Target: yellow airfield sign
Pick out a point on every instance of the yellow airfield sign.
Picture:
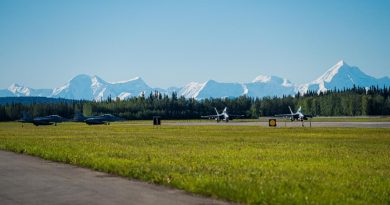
(272, 122)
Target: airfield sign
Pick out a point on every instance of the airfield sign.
(272, 122)
(156, 120)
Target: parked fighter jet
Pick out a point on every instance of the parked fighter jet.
(48, 120)
(222, 116)
(96, 120)
(102, 119)
(299, 116)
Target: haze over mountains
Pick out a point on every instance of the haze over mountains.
(87, 87)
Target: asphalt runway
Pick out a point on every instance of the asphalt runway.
(31, 180)
(287, 124)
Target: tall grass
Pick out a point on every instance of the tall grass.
(253, 165)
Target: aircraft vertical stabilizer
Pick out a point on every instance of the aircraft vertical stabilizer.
(290, 110)
(216, 110)
(225, 110)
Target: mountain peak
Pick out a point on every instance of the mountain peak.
(96, 79)
(14, 85)
(139, 79)
(209, 81)
(341, 75)
(272, 80)
(333, 71)
(19, 89)
(136, 79)
(341, 63)
(80, 77)
(262, 79)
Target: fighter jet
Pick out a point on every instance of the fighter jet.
(224, 116)
(96, 120)
(102, 119)
(299, 116)
(47, 120)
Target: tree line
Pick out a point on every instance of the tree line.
(355, 101)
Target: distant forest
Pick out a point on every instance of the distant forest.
(355, 101)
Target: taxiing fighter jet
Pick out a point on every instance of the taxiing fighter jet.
(299, 116)
(224, 116)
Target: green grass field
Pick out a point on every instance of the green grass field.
(265, 119)
(331, 119)
(247, 164)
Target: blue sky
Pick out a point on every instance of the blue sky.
(43, 44)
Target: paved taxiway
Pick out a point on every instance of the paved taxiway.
(30, 180)
(288, 124)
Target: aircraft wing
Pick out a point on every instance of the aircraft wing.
(285, 115)
(236, 116)
(310, 116)
(210, 116)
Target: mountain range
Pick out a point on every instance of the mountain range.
(88, 87)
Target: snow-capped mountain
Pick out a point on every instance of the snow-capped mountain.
(264, 85)
(211, 89)
(261, 86)
(93, 87)
(80, 87)
(338, 76)
(84, 87)
(342, 76)
(88, 87)
(20, 90)
(191, 90)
